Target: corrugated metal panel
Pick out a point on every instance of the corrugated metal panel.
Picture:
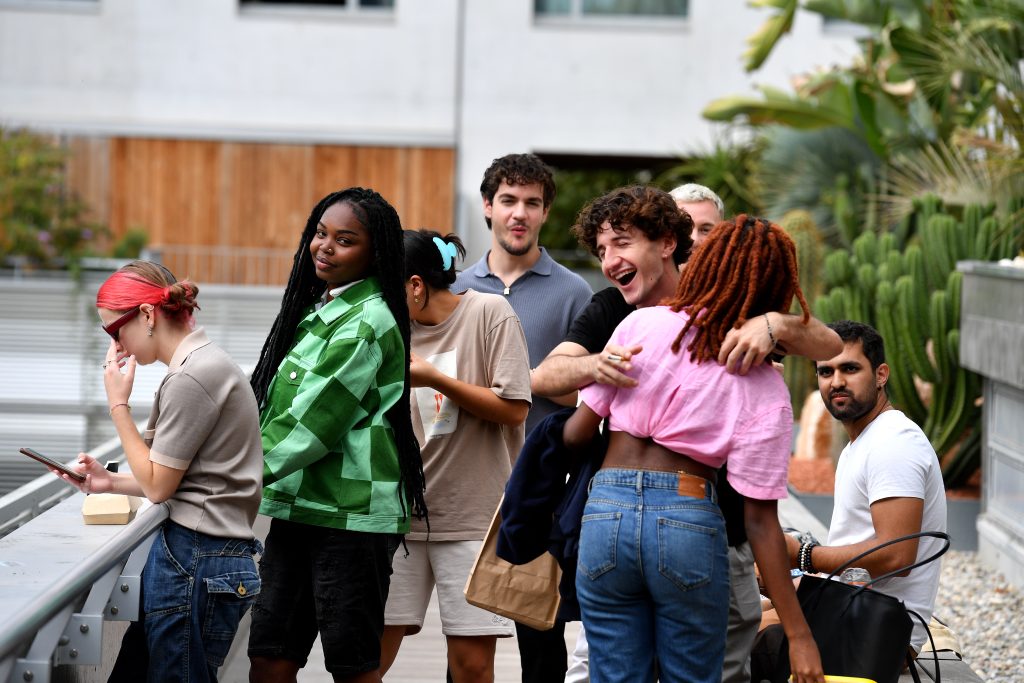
(51, 349)
(59, 436)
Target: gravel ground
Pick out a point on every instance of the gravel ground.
(987, 613)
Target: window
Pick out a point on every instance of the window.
(351, 5)
(587, 9)
(77, 6)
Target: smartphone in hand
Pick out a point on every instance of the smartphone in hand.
(50, 462)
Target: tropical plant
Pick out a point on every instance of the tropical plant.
(912, 296)
(39, 221)
(728, 167)
(799, 374)
(936, 97)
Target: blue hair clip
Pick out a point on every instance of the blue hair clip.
(448, 252)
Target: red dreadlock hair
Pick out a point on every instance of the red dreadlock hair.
(745, 268)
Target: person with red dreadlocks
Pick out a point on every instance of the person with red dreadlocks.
(201, 456)
(653, 574)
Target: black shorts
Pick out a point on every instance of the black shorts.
(331, 581)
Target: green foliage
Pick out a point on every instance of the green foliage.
(761, 43)
(728, 168)
(912, 296)
(39, 221)
(131, 244)
(829, 172)
(935, 99)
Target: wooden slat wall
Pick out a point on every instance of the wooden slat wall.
(256, 195)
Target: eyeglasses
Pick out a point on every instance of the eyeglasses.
(114, 328)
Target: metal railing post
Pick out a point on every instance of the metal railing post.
(36, 666)
(125, 598)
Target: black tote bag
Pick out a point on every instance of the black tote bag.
(859, 632)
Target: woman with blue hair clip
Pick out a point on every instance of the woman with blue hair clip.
(471, 393)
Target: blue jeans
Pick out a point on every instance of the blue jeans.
(652, 579)
(195, 589)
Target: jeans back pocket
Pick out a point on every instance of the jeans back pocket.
(598, 538)
(686, 553)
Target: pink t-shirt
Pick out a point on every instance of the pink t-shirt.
(698, 408)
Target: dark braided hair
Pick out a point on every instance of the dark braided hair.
(745, 268)
(385, 229)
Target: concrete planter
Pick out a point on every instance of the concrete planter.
(992, 344)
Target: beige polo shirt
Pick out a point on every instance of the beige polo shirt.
(205, 421)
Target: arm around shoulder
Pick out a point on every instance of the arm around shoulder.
(815, 340)
(562, 372)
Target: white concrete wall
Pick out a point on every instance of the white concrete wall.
(626, 88)
(205, 68)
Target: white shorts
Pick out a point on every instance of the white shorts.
(446, 565)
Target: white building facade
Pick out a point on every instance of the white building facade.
(482, 78)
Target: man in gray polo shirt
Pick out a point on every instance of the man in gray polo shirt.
(517, 192)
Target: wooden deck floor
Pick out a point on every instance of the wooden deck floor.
(422, 658)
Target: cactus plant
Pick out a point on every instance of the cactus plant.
(810, 247)
(912, 296)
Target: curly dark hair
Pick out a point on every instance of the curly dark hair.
(517, 169)
(745, 268)
(648, 209)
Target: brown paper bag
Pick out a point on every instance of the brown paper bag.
(527, 593)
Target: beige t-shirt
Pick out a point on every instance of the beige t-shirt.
(466, 459)
(205, 421)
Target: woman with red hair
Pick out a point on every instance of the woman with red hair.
(200, 456)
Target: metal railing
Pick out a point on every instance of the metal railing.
(39, 495)
(48, 630)
(63, 622)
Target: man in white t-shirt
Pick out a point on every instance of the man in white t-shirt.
(888, 481)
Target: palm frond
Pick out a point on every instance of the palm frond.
(945, 170)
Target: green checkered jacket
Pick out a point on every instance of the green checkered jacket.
(330, 455)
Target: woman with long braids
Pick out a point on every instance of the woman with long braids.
(342, 474)
(653, 575)
(471, 373)
(200, 456)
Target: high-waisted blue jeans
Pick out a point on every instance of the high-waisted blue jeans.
(195, 589)
(652, 579)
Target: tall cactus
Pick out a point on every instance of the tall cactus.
(912, 295)
(810, 247)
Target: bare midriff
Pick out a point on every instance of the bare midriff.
(626, 451)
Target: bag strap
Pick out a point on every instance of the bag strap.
(935, 655)
(920, 534)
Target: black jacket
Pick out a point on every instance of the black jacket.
(544, 500)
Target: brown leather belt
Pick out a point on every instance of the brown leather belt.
(626, 451)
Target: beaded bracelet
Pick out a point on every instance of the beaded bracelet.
(804, 563)
(771, 335)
